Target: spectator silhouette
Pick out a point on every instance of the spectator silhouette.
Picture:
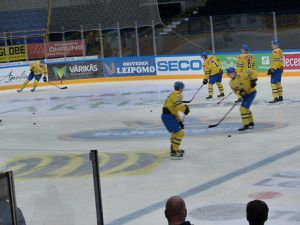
(257, 212)
(176, 212)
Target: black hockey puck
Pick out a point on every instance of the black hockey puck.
(34, 123)
(151, 111)
(33, 113)
(229, 135)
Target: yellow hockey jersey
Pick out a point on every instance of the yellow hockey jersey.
(246, 65)
(174, 104)
(38, 69)
(211, 66)
(242, 84)
(277, 59)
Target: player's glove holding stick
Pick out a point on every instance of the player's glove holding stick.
(187, 110)
(270, 71)
(253, 83)
(45, 79)
(243, 93)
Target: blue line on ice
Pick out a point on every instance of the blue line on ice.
(203, 187)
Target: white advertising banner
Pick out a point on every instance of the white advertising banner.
(292, 62)
(179, 65)
(13, 75)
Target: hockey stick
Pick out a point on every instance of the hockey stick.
(193, 96)
(217, 124)
(57, 86)
(224, 98)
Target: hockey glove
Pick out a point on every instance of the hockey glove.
(45, 79)
(205, 81)
(181, 124)
(253, 83)
(243, 93)
(270, 71)
(187, 110)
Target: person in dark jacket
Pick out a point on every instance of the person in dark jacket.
(257, 212)
(176, 212)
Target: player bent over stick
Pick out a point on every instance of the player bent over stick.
(244, 88)
(37, 69)
(172, 121)
(213, 74)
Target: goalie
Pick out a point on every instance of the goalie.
(37, 68)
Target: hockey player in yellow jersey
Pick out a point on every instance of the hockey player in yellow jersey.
(37, 69)
(170, 117)
(244, 87)
(213, 74)
(275, 71)
(245, 63)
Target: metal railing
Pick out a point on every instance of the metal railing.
(183, 35)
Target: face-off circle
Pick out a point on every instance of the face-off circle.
(265, 195)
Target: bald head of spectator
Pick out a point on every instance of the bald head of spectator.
(257, 212)
(175, 211)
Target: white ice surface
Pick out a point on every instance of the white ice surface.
(216, 177)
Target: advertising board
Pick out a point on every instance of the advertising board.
(131, 66)
(75, 70)
(179, 65)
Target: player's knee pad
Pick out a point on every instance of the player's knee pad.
(274, 87)
(280, 89)
(244, 110)
(220, 87)
(35, 83)
(179, 134)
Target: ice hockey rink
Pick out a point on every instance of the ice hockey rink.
(46, 137)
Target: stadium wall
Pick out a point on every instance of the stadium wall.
(77, 70)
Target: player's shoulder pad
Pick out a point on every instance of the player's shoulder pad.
(179, 95)
(247, 56)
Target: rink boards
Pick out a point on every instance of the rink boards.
(89, 70)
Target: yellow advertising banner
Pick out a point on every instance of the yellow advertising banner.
(12, 53)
